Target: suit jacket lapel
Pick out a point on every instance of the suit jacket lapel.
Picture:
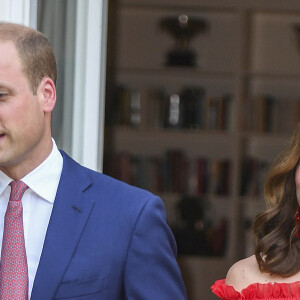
(70, 213)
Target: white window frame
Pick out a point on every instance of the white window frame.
(89, 83)
(19, 11)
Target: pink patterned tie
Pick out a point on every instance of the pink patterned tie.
(13, 268)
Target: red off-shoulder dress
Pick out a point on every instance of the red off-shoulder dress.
(257, 291)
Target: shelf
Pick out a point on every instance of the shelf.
(249, 51)
(272, 76)
(155, 142)
(166, 71)
(142, 44)
(253, 205)
(188, 73)
(293, 5)
(199, 274)
(175, 78)
(257, 200)
(218, 206)
(265, 147)
(211, 197)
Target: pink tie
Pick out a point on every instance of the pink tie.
(13, 267)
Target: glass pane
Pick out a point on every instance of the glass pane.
(57, 20)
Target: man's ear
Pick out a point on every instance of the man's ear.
(47, 94)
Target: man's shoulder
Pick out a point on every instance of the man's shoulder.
(104, 186)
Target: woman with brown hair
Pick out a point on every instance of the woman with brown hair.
(274, 271)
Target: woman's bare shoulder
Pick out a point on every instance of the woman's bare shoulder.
(246, 272)
(243, 273)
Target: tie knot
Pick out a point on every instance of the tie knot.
(17, 190)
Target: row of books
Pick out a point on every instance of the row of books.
(253, 174)
(193, 108)
(172, 173)
(189, 108)
(175, 173)
(266, 113)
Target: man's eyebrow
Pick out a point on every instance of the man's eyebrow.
(5, 88)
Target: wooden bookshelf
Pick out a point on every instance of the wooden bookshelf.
(238, 56)
(155, 142)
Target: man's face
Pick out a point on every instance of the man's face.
(22, 118)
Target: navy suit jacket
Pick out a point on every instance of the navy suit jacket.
(106, 240)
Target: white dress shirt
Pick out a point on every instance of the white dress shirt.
(37, 203)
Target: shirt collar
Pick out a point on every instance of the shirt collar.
(44, 179)
(4, 182)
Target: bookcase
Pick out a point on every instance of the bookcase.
(202, 136)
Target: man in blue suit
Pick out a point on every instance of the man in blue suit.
(87, 236)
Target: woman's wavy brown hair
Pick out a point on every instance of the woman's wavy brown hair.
(277, 248)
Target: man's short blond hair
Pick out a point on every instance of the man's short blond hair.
(35, 52)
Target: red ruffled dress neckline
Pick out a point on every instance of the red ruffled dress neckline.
(256, 291)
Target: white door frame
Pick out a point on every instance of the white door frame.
(89, 83)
